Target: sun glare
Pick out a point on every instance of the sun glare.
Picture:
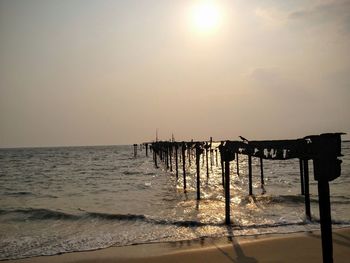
(206, 17)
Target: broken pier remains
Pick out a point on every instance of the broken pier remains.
(323, 150)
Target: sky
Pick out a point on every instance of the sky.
(100, 72)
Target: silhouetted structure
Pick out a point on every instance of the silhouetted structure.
(323, 150)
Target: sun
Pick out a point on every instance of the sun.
(206, 17)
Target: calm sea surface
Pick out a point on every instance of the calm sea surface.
(56, 200)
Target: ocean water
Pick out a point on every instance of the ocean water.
(57, 200)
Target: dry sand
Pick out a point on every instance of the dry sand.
(300, 247)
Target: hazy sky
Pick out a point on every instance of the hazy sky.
(110, 72)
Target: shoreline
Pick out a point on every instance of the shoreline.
(289, 247)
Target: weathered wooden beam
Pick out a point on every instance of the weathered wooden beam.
(176, 162)
(302, 184)
(198, 156)
(184, 164)
(326, 220)
(170, 158)
(262, 172)
(135, 150)
(206, 158)
(306, 188)
(227, 193)
(250, 175)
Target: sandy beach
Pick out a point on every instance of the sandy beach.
(296, 247)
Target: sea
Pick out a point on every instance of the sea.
(66, 199)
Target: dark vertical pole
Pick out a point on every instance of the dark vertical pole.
(262, 172)
(206, 158)
(146, 149)
(325, 220)
(167, 157)
(222, 169)
(306, 188)
(176, 162)
(216, 157)
(227, 193)
(302, 184)
(198, 172)
(135, 150)
(211, 154)
(184, 164)
(155, 158)
(237, 164)
(250, 175)
(170, 159)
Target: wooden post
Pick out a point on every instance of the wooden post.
(184, 164)
(211, 154)
(170, 159)
(262, 172)
(302, 184)
(227, 192)
(167, 157)
(325, 220)
(222, 164)
(306, 188)
(176, 162)
(198, 155)
(135, 150)
(326, 149)
(146, 149)
(155, 158)
(250, 175)
(206, 158)
(237, 162)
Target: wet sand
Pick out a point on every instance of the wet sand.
(296, 247)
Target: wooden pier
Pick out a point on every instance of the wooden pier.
(323, 150)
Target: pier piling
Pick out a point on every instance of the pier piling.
(198, 156)
(250, 174)
(184, 164)
(302, 184)
(135, 150)
(227, 193)
(262, 173)
(306, 188)
(176, 162)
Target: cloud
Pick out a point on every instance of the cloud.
(277, 84)
(268, 74)
(271, 17)
(336, 13)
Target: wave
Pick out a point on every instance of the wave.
(25, 194)
(292, 199)
(37, 214)
(47, 214)
(20, 193)
(270, 199)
